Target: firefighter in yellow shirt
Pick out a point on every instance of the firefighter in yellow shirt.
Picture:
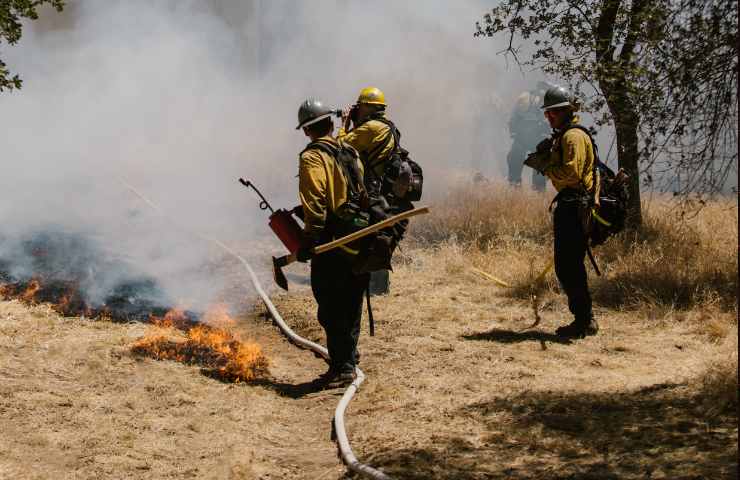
(373, 137)
(570, 169)
(338, 291)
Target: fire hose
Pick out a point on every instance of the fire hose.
(339, 432)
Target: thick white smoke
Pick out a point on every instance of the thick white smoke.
(182, 97)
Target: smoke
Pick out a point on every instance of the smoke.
(180, 98)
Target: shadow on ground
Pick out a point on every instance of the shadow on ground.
(299, 390)
(511, 336)
(657, 432)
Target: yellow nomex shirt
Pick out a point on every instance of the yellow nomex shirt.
(368, 139)
(322, 187)
(571, 160)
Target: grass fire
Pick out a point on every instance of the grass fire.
(176, 334)
(211, 345)
(388, 240)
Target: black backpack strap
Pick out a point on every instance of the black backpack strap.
(371, 321)
(394, 134)
(323, 146)
(355, 181)
(591, 257)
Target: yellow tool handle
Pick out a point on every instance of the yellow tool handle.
(504, 284)
(371, 229)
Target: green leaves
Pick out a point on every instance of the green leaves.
(11, 14)
(663, 72)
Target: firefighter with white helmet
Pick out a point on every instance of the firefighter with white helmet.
(569, 159)
(338, 291)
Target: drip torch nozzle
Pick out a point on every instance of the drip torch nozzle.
(264, 205)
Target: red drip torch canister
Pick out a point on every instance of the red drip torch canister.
(281, 221)
(287, 229)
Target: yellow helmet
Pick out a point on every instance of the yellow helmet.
(371, 96)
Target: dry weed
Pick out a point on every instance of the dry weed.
(674, 260)
(719, 385)
(486, 214)
(683, 262)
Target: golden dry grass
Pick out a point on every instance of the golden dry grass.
(674, 260)
(74, 403)
(718, 386)
(458, 386)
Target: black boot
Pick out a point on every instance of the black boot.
(578, 328)
(592, 328)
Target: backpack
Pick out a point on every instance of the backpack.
(374, 251)
(402, 179)
(606, 209)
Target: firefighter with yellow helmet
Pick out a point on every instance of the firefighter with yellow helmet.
(371, 134)
(366, 128)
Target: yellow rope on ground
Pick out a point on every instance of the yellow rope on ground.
(504, 284)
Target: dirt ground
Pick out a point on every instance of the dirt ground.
(455, 390)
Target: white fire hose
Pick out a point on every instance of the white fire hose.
(339, 432)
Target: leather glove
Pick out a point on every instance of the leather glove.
(544, 146)
(305, 251)
(538, 161)
(304, 254)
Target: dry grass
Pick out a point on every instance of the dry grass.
(486, 214)
(74, 403)
(685, 263)
(461, 385)
(673, 260)
(718, 386)
(457, 386)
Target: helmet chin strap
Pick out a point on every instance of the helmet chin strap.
(567, 120)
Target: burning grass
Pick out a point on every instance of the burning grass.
(176, 334)
(212, 345)
(64, 297)
(132, 300)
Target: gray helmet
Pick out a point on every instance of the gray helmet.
(311, 111)
(557, 97)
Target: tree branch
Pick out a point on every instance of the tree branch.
(605, 30)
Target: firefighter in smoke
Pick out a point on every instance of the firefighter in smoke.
(526, 127)
(567, 158)
(338, 291)
(372, 136)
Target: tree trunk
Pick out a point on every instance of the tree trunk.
(626, 122)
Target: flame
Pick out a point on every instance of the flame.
(64, 303)
(174, 318)
(218, 316)
(215, 347)
(29, 294)
(175, 335)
